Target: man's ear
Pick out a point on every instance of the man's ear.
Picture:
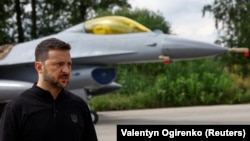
(38, 66)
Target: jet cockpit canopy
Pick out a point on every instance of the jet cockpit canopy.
(113, 25)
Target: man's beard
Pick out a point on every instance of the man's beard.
(52, 80)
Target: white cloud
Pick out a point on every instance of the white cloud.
(185, 17)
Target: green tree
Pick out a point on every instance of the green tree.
(233, 23)
(23, 20)
(4, 27)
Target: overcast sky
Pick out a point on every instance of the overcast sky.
(184, 16)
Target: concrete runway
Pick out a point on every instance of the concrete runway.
(217, 114)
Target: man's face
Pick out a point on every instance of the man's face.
(57, 68)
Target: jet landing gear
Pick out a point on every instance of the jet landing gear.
(83, 93)
(94, 116)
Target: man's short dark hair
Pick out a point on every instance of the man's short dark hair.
(42, 49)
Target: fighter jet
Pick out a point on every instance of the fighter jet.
(96, 45)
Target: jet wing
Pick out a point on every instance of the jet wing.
(20, 57)
(12, 88)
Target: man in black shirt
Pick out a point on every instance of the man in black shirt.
(48, 112)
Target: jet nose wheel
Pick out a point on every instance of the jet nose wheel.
(94, 116)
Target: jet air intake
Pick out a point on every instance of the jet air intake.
(92, 77)
(103, 75)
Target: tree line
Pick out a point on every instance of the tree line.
(232, 22)
(23, 20)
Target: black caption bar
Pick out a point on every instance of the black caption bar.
(181, 132)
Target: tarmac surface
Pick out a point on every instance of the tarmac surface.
(206, 115)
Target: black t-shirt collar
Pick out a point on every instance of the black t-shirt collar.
(44, 93)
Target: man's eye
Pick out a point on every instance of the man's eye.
(59, 64)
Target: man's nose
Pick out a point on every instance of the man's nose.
(66, 69)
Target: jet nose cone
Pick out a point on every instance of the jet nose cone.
(183, 49)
